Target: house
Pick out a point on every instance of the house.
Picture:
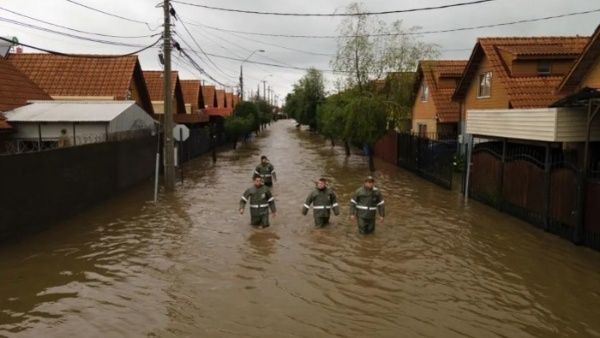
(192, 96)
(229, 100)
(209, 96)
(155, 84)
(81, 121)
(516, 72)
(15, 90)
(434, 112)
(86, 77)
(221, 101)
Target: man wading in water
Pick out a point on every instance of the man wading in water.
(365, 204)
(261, 200)
(266, 170)
(323, 200)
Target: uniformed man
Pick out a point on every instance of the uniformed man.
(323, 200)
(365, 204)
(261, 200)
(266, 170)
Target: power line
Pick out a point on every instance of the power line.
(112, 14)
(79, 37)
(77, 30)
(83, 55)
(460, 4)
(509, 23)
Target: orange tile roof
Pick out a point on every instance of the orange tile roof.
(546, 49)
(528, 91)
(208, 93)
(587, 59)
(4, 126)
(154, 82)
(220, 98)
(78, 76)
(229, 100)
(191, 93)
(16, 89)
(222, 112)
(430, 71)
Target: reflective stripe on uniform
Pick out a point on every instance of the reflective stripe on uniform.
(245, 199)
(271, 199)
(353, 201)
(321, 207)
(258, 205)
(334, 205)
(381, 203)
(266, 175)
(256, 172)
(307, 206)
(362, 207)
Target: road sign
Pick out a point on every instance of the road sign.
(181, 132)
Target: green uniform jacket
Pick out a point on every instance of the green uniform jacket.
(260, 200)
(323, 202)
(266, 172)
(365, 203)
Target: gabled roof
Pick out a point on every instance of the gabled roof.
(191, 93)
(209, 95)
(431, 71)
(590, 54)
(154, 82)
(523, 91)
(220, 98)
(16, 88)
(229, 100)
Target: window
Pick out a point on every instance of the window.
(485, 85)
(424, 92)
(422, 129)
(544, 68)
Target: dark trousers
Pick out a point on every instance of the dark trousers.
(260, 220)
(366, 225)
(321, 222)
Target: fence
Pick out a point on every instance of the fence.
(431, 158)
(537, 183)
(43, 187)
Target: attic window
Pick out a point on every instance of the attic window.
(485, 85)
(544, 68)
(424, 93)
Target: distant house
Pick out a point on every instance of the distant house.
(229, 100)
(86, 77)
(516, 73)
(221, 101)
(433, 111)
(155, 84)
(15, 90)
(209, 95)
(192, 96)
(81, 121)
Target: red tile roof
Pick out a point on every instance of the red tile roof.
(191, 93)
(78, 76)
(523, 91)
(4, 126)
(16, 89)
(587, 59)
(220, 98)
(431, 71)
(208, 93)
(154, 82)
(229, 100)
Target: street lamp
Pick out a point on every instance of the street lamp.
(242, 71)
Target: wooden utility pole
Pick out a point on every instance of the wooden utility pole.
(169, 144)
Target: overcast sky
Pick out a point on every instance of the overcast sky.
(453, 45)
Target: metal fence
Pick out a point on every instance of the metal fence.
(539, 183)
(429, 157)
(28, 145)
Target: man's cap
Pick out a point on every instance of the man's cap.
(322, 179)
(369, 179)
(263, 158)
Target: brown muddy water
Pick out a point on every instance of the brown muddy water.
(192, 266)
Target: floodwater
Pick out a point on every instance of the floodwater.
(192, 266)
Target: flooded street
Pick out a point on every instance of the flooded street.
(192, 266)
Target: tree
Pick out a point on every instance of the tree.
(238, 126)
(331, 119)
(304, 100)
(246, 109)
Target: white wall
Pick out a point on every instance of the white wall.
(133, 118)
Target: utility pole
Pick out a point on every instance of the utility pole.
(168, 114)
(242, 82)
(264, 90)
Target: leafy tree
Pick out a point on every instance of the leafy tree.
(238, 126)
(304, 100)
(332, 118)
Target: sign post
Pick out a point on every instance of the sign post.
(181, 133)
